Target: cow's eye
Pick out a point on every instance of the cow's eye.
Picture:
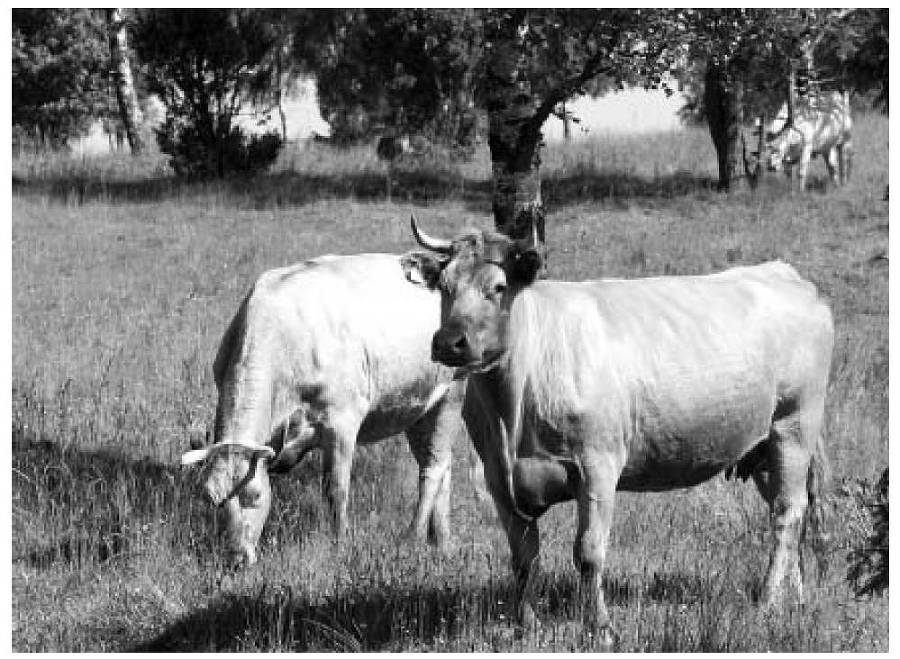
(499, 289)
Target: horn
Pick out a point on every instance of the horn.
(439, 245)
(195, 442)
(198, 455)
(294, 451)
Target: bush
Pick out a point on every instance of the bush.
(868, 571)
(196, 156)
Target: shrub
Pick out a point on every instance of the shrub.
(195, 156)
(868, 572)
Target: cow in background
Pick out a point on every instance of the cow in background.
(820, 125)
(327, 354)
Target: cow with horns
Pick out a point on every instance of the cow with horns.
(579, 389)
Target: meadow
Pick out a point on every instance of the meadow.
(123, 281)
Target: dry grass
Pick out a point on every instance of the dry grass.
(123, 281)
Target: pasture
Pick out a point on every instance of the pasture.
(124, 281)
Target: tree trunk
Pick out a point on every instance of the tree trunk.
(281, 113)
(121, 71)
(467, 118)
(514, 138)
(723, 97)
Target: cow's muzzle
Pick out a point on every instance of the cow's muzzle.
(450, 346)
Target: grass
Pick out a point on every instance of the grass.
(124, 280)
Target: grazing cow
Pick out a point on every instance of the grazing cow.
(325, 354)
(818, 127)
(393, 148)
(579, 389)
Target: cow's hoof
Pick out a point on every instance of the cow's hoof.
(601, 636)
(527, 618)
(441, 542)
(414, 536)
(529, 624)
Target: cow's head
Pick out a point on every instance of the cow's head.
(235, 479)
(782, 147)
(478, 275)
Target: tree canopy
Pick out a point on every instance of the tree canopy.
(59, 72)
(205, 64)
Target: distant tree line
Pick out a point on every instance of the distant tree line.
(436, 73)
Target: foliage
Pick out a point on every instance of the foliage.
(762, 45)
(855, 52)
(394, 70)
(566, 52)
(405, 69)
(193, 158)
(60, 59)
(868, 571)
(204, 64)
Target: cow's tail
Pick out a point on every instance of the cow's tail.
(816, 522)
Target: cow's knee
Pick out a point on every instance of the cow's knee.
(439, 525)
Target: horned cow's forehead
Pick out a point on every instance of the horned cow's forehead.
(476, 246)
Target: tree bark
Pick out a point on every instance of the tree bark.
(723, 97)
(466, 118)
(514, 136)
(121, 70)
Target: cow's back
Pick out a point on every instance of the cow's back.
(675, 364)
(827, 121)
(357, 331)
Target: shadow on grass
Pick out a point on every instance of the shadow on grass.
(384, 618)
(90, 506)
(87, 506)
(417, 186)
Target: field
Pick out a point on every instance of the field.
(124, 280)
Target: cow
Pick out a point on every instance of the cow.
(328, 354)
(818, 127)
(579, 389)
(391, 148)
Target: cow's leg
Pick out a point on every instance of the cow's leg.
(521, 534)
(596, 500)
(488, 435)
(791, 443)
(338, 445)
(524, 545)
(832, 163)
(845, 160)
(803, 167)
(431, 441)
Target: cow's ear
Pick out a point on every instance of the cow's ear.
(526, 266)
(423, 268)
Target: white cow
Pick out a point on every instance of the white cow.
(579, 389)
(820, 126)
(325, 354)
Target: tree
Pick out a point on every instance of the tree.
(535, 60)
(205, 64)
(59, 72)
(394, 71)
(129, 110)
(853, 51)
(748, 58)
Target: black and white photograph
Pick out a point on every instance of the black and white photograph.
(449, 330)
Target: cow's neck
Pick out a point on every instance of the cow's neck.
(496, 386)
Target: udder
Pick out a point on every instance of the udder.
(540, 483)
